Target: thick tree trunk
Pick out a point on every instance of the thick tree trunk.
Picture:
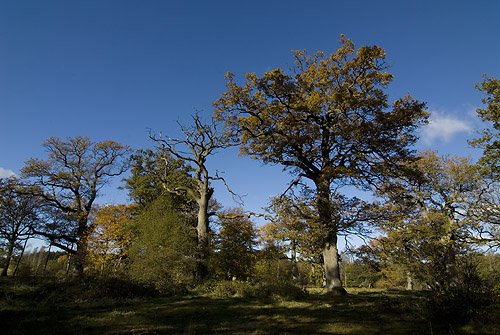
(10, 252)
(81, 248)
(333, 281)
(450, 261)
(203, 238)
(80, 256)
(332, 268)
(451, 267)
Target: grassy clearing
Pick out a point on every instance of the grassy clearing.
(29, 309)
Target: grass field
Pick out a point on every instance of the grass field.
(40, 309)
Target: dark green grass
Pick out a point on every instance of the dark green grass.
(30, 308)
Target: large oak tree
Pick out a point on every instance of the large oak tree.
(68, 182)
(328, 120)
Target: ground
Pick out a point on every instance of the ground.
(35, 309)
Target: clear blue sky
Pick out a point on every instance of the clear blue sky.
(114, 69)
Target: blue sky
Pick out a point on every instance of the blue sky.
(114, 69)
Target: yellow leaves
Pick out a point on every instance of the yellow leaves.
(110, 237)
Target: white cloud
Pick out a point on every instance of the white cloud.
(4, 173)
(443, 128)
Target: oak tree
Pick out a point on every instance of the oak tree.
(69, 181)
(328, 120)
(202, 139)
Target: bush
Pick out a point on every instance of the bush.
(458, 306)
(283, 290)
(243, 289)
(85, 289)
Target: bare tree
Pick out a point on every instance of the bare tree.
(201, 140)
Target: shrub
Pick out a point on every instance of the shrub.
(458, 306)
(243, 289)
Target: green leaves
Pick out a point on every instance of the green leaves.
(490, 141)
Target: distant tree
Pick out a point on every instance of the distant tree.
(327, 120)
(234, 245)
(201, 140)
(69, 182)
(432, 222)
(295, 228)
(357, 273)
(18, 217)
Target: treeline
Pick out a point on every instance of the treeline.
(329, 123)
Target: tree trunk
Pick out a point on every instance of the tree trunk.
(80, 256)
(451, 267)
(20, 257)
(81, 248)
(68, 267)
(409, 281)
(294, 261)
(203, 238)
(10, 252)
(450, 261)
(46, 259)
(332, 268)
(333, 282)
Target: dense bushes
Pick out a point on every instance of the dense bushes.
(244, 289)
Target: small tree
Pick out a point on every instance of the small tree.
(69, 182)
(163, 252)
